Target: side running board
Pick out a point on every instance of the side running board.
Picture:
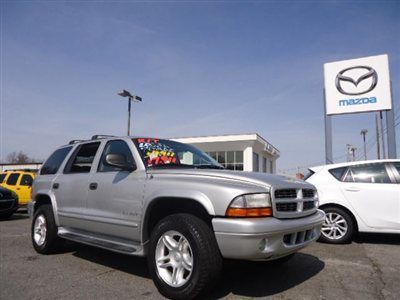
(102, 241)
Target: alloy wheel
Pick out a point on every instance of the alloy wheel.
(40, 230)
(174, 259)
(335, 226)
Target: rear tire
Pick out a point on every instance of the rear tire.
(338, 227)
(44, 231)
(183, 245)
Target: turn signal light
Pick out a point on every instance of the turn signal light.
(249, 212)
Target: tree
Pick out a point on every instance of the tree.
(18, 158)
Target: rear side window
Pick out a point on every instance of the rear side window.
(309, 174)
(338, 172)
(82, 160)
(54, 161)
(370, 173)
(12, 179)
(2, 176)
(26, 180)
(396, 165)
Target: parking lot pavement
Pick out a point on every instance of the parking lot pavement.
(366, 269)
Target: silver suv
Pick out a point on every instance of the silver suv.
(172, 203)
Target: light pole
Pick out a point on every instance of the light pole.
(131, 97)
(364, 133)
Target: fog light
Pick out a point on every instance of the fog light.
(263, 245)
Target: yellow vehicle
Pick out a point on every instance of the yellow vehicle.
(20, 182)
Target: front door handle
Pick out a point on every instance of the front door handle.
(93, 186)
(56, 185)
(352, 189)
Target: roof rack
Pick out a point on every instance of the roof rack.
(101, 136)
(75, 141)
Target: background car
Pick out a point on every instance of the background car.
(8, 203)
(358, 197)
(20, 182)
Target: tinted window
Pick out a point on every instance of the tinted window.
(114, 147)
(348, 177)
(12, 179)
(338, 172)
(370, 173)
(54, 161)
(82, 160)
(309, 174)
(2, 176)
(26, 180)
(395, 164)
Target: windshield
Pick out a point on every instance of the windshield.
(157, 153)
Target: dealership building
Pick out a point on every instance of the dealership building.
(242, 152)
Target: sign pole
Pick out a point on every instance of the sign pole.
(378, 144)
(129, 116)
(382, 135)
(328, 135)
(391, 132)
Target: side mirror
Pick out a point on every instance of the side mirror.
(120, 161)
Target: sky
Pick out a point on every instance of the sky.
(201, 67)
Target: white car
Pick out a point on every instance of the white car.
(362, 196)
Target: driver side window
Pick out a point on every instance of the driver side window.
(114, 147)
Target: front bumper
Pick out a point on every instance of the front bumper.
(30, 206)
(266, 238)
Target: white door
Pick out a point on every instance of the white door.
(374, 195)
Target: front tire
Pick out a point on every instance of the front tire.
(44, 231)
(184, 259)
(338, 227)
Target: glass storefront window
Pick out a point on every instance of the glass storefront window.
(255, 162)
(232, 160)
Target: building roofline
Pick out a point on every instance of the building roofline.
(244, 136)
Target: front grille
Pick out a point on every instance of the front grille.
(286, 206)
(308, 205)
(286, 193)
(308, 193)
(298, 238)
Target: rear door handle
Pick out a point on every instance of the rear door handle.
(352, 189)
(56, 185)
(93, 186)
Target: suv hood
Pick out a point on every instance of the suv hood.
(261, 179)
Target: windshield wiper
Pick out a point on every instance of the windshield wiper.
(209, 167)
(164, 166)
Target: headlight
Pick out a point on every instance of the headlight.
(316, 199)
(250, 205)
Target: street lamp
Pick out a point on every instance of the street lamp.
(364, 133)
(131, 97)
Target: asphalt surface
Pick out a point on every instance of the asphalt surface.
(369, 268)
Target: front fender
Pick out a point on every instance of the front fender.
(181, 193)
(52, 197)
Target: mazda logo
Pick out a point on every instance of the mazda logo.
(369, 73)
